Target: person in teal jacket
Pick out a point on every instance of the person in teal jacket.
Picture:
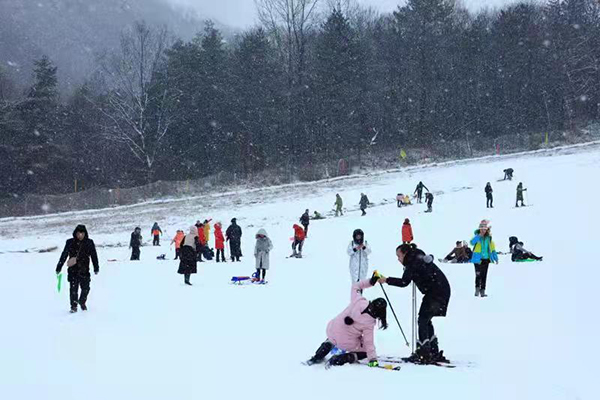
(484, 252)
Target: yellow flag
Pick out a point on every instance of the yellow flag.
(402, 154)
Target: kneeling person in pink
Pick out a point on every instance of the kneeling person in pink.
(352, 330)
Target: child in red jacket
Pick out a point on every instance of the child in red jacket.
(407, 233)
(299, 236)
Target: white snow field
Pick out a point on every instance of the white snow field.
(147, 336)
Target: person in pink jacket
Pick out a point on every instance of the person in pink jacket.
(352, 331)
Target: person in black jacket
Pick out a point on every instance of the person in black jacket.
(419, 191)
(508, 174)
(234, 237)
(432, 283)
(135, 243)
(364, 203)
(429, 200)
(79, 250)
(187, 255)
(305, 220)
(489, 196)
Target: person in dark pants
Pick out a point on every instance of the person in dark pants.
(78, 251)
(187, 255)
(298, 241)
(433, 284)
(508, 174)
(489, 196)
(419, 191)
(484, 252)
(305, 220)
(135, 243)
(520, 191)
(234, 237)
(429, 200)
(156, 232)
(364, 203)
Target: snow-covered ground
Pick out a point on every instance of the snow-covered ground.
(147, 336)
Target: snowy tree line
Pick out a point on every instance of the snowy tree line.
(316, 81)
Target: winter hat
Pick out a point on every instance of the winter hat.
(233, 220)
(356, 233)
(406, 221)
(484, 224)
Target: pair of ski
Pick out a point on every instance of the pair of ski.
(406, 360)
(389, 366)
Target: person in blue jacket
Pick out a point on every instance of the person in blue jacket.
(484, 252)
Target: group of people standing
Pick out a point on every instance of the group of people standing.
(489, 192)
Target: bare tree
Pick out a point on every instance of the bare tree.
(139, 105)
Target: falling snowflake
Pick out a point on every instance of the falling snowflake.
(36, 132)
(547, 43)
(583, 97)
(29, 172)
(45, 207)
(213, 124)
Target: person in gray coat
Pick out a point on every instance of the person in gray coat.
(261, 254)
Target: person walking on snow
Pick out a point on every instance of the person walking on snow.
(433, 284)
(352, 331)
(489, 196)
(359, 251)
(407, 233)
(233, 235)
(338, 205)
(261, 254)
(135, 243)
(298, 241)
(177, 240)
(188, 260)
(419, 191)
(364, 203)
(520, 191)
(484, 252)
(78, 251)
(156, 232)
(429, 200)
(305, 220)
(219, 242)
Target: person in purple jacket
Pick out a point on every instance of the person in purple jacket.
(352, 331)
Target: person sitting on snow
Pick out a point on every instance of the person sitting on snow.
(460, 254)
(407, 201)
(400, 199)
(352, 331)
(317, 215)
(518, 252)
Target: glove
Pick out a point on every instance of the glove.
(375, 278)
(373, 363)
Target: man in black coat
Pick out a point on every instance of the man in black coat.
(234, 237)
(432, 283)
(135, 243)
(305, 220)
(419, 191)
(79, 250)
(489, 196)
(429, 200)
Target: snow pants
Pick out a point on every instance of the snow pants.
(490, 200)
(340, 359)
(221, 252)
(297, 245)
(176, 254)
(156, 240)
(76, 282)
(135, 253)
(305, 230)
(481, 271)
(430, 307)
(236, 251)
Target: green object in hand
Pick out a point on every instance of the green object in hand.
(59, 282)
(373, 363)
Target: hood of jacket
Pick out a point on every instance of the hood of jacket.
(80, 228)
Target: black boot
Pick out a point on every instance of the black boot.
(321, 353)
(341, 359)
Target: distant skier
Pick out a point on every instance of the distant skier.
(298, 242)
(519, 253)
(489, 196)
(508, 174)
(433, 284)
(429, 200)
(407, 232)
(484, 252)
(234, 237)
(135, 243)
(364, 203)
(359, 251)
(78, 251)
(219, 242)
(188, 260)
(351, 333)
(419, 191)
(177, 240)
(261, 254)
(338, 205)
(156, 232)
(520, 191)
(305, 221)
(460, 254)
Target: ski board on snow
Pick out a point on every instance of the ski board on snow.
(389, 367)
(404, 360)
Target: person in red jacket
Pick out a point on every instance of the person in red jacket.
(219, 242)
(201, 241)
(299, 236)
(177, 240)
(407, 233)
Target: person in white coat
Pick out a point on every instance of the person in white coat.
(261, 254)
(359, 251)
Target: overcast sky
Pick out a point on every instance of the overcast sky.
(242, 13)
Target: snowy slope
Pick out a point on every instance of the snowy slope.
(147, 336)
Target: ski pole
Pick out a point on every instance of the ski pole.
(393, 312)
